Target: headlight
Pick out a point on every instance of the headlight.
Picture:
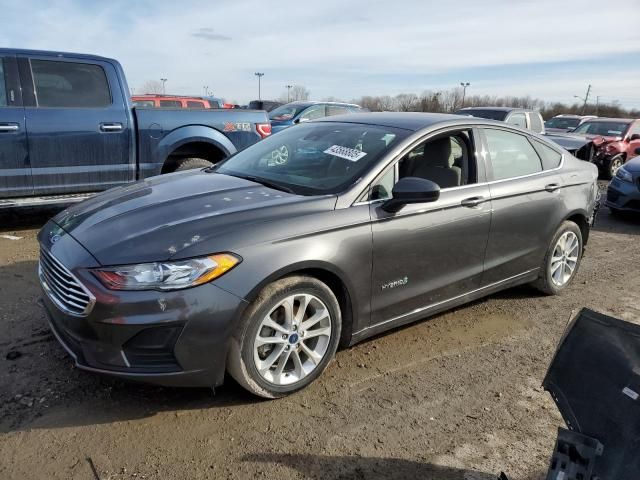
(166, 275)
(624, 175)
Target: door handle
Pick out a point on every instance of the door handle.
(552, 187)
(111, 127)
(472, 202)
(9, 127)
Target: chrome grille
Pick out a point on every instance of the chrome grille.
(62, 287)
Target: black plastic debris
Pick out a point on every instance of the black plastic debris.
(574, 456)
(594, 379)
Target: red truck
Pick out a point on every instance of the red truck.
(177, 101)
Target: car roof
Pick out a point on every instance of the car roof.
(308, 103)
(617, 120)
(50, 53)
(413, 121)
(497, 109)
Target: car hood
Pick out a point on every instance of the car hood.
(633, 165)
(178, 215)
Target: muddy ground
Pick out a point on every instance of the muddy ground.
(454, 397)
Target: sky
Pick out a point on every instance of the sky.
(548, 49)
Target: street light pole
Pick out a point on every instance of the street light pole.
(259, 75)
(163, 80)
(289, 87)
(464, 86)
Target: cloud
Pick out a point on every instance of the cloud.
(209, 34)
(347, 49)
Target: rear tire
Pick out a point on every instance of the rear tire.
(562, 260)
(192, 163)
(287, 337)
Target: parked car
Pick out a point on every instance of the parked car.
(623, 193)
(267, 105)
(520, 117)
(565, 122)
(303, 111)
(615, 140)
(175, 101)
(264, 268)
(68, 129)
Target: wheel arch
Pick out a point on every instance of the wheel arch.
(331, 276)
(580, 218)
(193, 140)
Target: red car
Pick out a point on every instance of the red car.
(615, 141)
(176, 101)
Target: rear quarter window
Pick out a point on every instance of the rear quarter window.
(70, 84)
(551, 158)
(535, 121)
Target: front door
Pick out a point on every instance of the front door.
(15, 173)
(429, 253)
(79, 132)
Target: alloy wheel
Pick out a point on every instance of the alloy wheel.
(292, 339)
(565, 258)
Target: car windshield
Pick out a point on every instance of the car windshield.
(286, 112)
(490, 114)
(315, 158)
(562, 122)
(606, 129)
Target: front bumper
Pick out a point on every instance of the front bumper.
(623, 196)
(172, 338)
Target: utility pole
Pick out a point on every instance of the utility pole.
(259, 75)
(289, 87)
(464, 86)
(585, 99)
(163, 80)
(597, 104)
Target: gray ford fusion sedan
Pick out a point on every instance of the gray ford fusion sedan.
(262, 266)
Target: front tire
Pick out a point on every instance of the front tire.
(287, 337)
(611, 168)
(562, 260)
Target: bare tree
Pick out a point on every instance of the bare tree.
(151, 86)
(406, 102)
(299, 92)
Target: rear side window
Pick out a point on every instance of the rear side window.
(3, 85)
(336, 110)
(171, 103)
(143, 103)
(511, 154)
(194, 104)
(517, 119)
(68, 84)
(550, 158)
(536, 122)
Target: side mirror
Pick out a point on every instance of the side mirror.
(411, 190)
(570, 129)
(635, 136)
(301, 120)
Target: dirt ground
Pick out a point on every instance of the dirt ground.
(457, 396)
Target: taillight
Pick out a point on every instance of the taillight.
(264, 129)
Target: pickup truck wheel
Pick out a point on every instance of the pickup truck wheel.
(612, 167)
(286, 338)
(562, 259)
(191, 163)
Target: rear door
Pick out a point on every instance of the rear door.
(15, 172)
(527, 203)
(78, 122)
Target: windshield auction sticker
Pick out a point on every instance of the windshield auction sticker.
(350, 154)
